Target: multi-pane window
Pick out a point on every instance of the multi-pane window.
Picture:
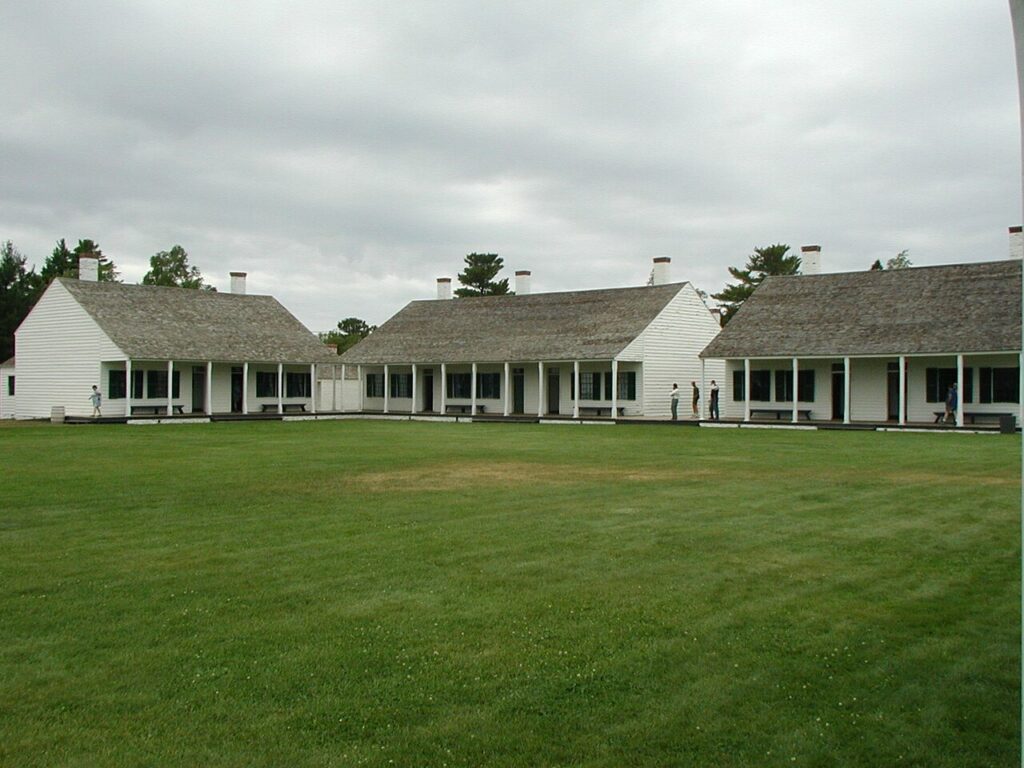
(400, 385)
(116, 385)
(266, 384)
(626, 385)
(999, 385)
(460, 385)
(488, 386)
(805, 386)
(375, 385)
(590, 386)
(10, 386)
(297, 385)
(784, 386)
(156, 384)
(760, 385)
(939, 380)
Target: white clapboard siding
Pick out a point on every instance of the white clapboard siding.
(8, 406)
(669, 348)
(59, 351)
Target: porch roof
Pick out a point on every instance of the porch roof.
(960, 308)
(574, 325)
(158, 323)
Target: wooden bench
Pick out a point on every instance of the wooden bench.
(972, 416)
(156, 410)
(285, 407)
(601, 410)
(780, 413)
(463, 408)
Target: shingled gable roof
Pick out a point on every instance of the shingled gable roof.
(158, 323)
(576, 325)
(959, 308)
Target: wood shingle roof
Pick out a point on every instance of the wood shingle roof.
(575, 325)
(158, 323)
(960, 308)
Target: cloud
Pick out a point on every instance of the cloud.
(346, 154)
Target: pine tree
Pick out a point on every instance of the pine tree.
(771, 260)
(478, 276)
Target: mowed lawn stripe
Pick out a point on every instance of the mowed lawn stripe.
(368, 593)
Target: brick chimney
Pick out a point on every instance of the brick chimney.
(444, 288)
(810, 260)
(1016, 242)
(88, 267)
(238, 283)
(522, 282)
(660, 273)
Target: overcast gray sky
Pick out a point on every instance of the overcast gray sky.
(346, 154)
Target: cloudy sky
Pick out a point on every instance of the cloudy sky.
(346, 154)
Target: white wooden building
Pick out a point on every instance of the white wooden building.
(876, 346)
(162, 351)
(8, 409)
(575, 354)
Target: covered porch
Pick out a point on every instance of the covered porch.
(904, 390)
(545, 388)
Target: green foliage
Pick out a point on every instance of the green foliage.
(900, 261)
(348, 333)
(19, 290)
(64, 263)
(171, 268)
(368, 593)
(478, 276)
(771, 260)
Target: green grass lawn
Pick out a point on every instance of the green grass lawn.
(409, 594)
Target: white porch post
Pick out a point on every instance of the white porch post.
(576, 389)
(128, 387)
(507, 388)
(280, 387)
(170, 387)
(846, 390)
(412, 409)
(472, 391)
(796, 390)
(444, 389)
(615, 388)
(902, 420)
(245, 388)
(209, 387)
(360, 387)
(540, 387)
(313, 385)
(337, 404)
(387, 389)
(703, 390)
(746, 389)
(960, 390)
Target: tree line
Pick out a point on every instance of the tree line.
(21, 286)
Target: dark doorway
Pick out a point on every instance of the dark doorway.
(237, 387)
(554, 391)
(838, 391)
(892, 377)
(428, 391)
(518, 394)
(198, 388)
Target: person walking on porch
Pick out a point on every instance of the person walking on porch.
(951, 402)
(97, 401)
(696, 398)
(713, 403)
(674, 394)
